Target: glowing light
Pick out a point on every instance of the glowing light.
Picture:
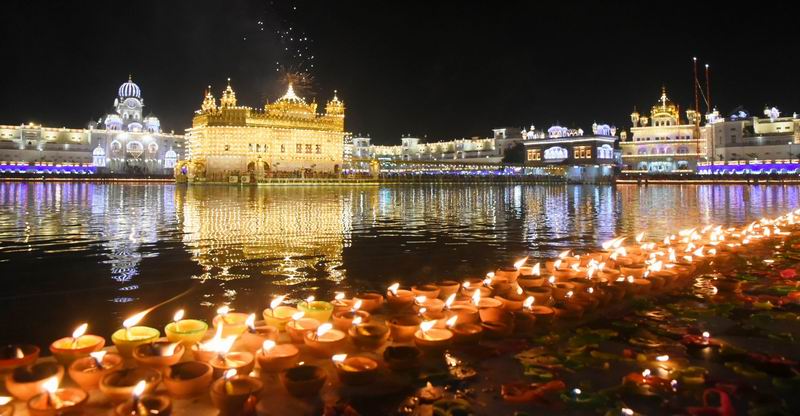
(393, 288)
(357, 305)
(297, 315)
(476, 297)
(139, 388)
(528, 303)
(324, 328)
(449, 302)
(519, 263)
(251, 321)
(420, 299)
(267, 346)
(178, 315)
(277, 301)
(357, 320)
(230, 374)
(662, 358)
(51, 385)
(133, 320)
(452, 321)
(339, 296)
(426, 326)
(79, 331)
(646, 373)
(223, 310)
(537, 270)
(339, 358)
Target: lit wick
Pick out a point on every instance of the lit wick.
(228, 385)
(251, 323)
(50, 387)
(78, 333)
(137, 393)
(97, 358)
(131, 322)
(176, 319)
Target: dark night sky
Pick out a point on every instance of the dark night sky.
(441, 69)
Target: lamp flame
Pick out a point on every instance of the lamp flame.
(476, 297)
(449, 302)
(426, 326)
(267, 346)
(178, 315)
(339, 358)
(79, 331)
(357, 320)
(251, 321)
(537, 270)
(452, 321)
(324, 328)
(223, 310)
(133, 320)
(420, 299)
(4, 400)
(139, 388)
(640, 237)
(528, 304)
(519, 263)
(297, 315)
(51, 385)
(339, 296)
(98, 356)
(357, 305)
(393, 288)
(230, 374)
(662, 358)
(277, 301)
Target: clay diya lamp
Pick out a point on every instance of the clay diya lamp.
(402, 358)
(343, 320)
(581, 283)
(236, 395)
(150, 404)
(509, 274)
(561, 289)
(543, 314)
(273, 358)
(304, 380)
(369, 336)
(466, 312)
(241, 361)
(472, 285)
(466, 333)
(370, 301)
(316, 309)
(186, 331)
(568, 310)
(341, 304)
(326, 341)
(541, 294)
(17, 355)
(87, 371)
(158, 355)
(255, 336)
(402, 328)
(79, 345)
(491, 309)
(564, 274)
(28, 381)
(57, 401)
(428, 338)
(524, 321)
(188, 379)
(637, 271)
(616, 292)
(233, 324)
(118, 385)
(299, 327)
(447, 288)
(427, 290)
(399, 299)
(129, 337)
(500, 285)
(513, 300)
(355, 371)
(439, 318)
(608, 274)
(430, 304)
(278, 315)
(529, 281)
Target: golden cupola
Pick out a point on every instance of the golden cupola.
(334, 107)
(228, 96)
(665, 108)
(209, 102)
(292, 105)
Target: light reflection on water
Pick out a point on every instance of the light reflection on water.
(73, 252)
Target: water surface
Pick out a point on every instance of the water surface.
(91, 252)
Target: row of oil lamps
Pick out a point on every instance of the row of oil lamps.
(425, 319)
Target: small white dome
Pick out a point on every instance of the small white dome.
(129, 89)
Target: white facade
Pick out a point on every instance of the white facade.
(745, 137)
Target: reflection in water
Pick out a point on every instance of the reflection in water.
(96, 252)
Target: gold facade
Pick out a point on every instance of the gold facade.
(285, 136)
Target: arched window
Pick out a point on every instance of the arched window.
(170, 159)
(555, 153)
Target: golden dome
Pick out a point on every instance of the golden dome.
(664, 107)
(292, 105)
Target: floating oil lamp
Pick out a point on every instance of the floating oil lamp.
(278, 315)
(403, 327)
(118, 385)
(430, 394)
(57, 401)
(430, 304)
(68, 349)
(430, 338)
(701, 341)
(304, 380)
(402, 358)
(513, 300)
(143, 405)
(28, 381)
(541, 294)
(511, 273)
(6, 409)
(343, 320)
(369, 335)
(188, 379)
(88, 371)
(17, 355)
(470, 286)
(273, 358)
(524, 319)
(466, 312)
(530, 278)
(355, 371)
(464, 332)
(370, 301)
(427, 290)
(340, 303)
(241, 361)
(159, 354)
(316, 309)
(205, 351)
(299, 326)
(489, 309)
(641, 286)
(186, 331)
(447, 288)
(257, 332)
(326, 341)
(233, 323)
(130, 336)
(561, 289)
(235, 395)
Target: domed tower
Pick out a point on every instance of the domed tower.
(635, 117)
(228, 97)
(334, 109)
(209, 102)
(129, 103)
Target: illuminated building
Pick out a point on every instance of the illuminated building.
(662, 142)
(572, 153)
(227, 139)
(122, 142)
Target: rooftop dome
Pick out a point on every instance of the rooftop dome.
(291, 96)
(129, 89)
